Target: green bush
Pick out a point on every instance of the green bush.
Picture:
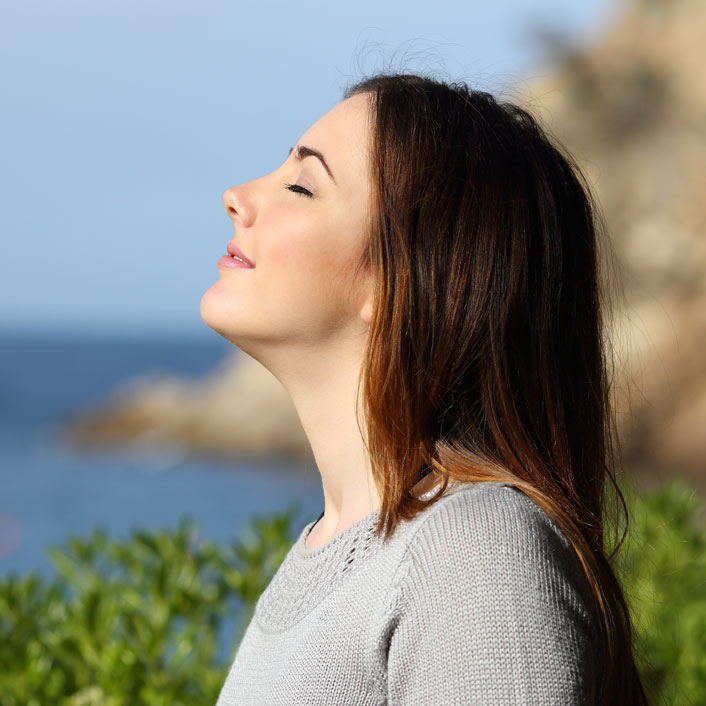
(134, 622)
(138, 622)
(662, 565)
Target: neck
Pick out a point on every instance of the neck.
(322, 386)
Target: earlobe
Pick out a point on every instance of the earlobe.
(366, 313)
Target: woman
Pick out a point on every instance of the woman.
(423, 281)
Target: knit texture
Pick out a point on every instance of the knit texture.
(478, 600)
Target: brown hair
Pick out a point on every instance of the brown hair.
(485, 357)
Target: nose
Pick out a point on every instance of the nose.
(238, 206)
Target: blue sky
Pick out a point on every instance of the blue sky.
(123, 123)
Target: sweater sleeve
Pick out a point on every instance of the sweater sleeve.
(492, 608)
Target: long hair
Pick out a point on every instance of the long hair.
(485, 357)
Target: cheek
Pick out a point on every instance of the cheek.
(308, 263)
(314, 250)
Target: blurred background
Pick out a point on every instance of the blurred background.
(122, 125)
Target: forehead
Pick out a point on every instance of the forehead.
(342, 136)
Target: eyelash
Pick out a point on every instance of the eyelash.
(299, 190)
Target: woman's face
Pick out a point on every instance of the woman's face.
(304, 227)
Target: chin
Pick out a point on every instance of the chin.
(218, 314)
(214, 311)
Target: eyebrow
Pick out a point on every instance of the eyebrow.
(301, 152)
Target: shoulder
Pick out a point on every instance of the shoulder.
(490, 606)
(490, 537)
(486, 510)
(494, 513)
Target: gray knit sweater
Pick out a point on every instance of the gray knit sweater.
(477, 600)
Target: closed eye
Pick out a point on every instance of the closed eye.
(299, 190)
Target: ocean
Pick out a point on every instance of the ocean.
(49, 490)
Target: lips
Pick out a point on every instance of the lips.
(234, 250)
